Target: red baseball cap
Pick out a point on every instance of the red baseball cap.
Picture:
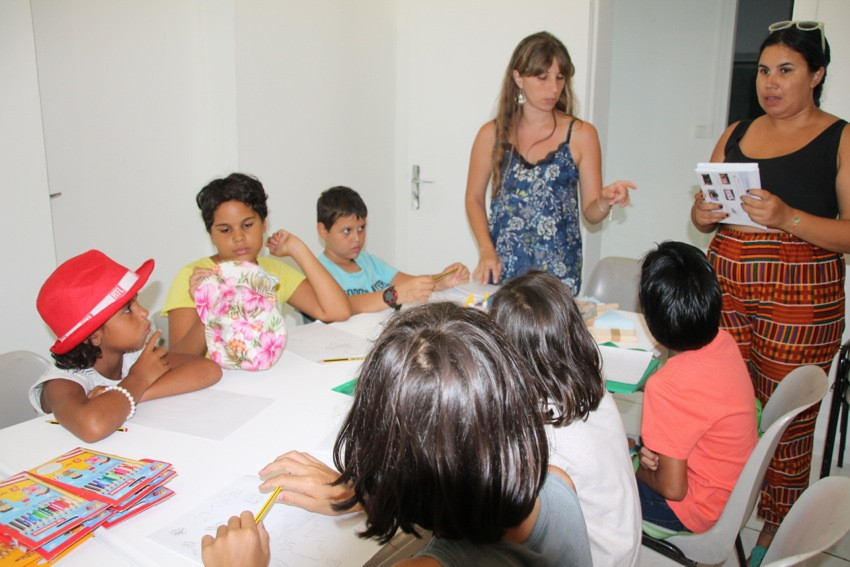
(85, 291)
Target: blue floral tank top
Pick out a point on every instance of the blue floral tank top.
(534, 218)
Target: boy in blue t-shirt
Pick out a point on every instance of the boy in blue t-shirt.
(370, 283)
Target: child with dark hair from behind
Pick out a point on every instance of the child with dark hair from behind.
(699, 421)
(460, 450)
(105, 363)
(586, 434)
(370, 283)
(234, 212)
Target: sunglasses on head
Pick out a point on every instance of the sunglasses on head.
(802, 25)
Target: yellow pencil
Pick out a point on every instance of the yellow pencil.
(267, 506)
(343, 359)
(445, 274)
(54, 422)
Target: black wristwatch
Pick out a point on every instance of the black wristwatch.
(390, 297)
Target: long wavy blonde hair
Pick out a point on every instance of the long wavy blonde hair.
(533, 56)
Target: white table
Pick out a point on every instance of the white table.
(304, 415)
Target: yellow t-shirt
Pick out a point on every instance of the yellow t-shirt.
(178, 296)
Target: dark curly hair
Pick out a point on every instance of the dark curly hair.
(234, 187)
(81, 357)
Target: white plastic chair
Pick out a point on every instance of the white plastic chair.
(799, 390)
(615, 280)
(19, 369)
(818, 519)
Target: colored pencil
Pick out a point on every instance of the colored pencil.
(350, 358)
(54, 422)
(445, 274)
(267, 506)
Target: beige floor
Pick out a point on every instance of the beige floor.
(837, 556)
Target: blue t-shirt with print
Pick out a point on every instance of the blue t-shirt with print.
(374, 274)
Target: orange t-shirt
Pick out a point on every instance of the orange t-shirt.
(700, 407)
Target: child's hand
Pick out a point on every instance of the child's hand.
(199, 275)
(415, 290)
(281, 242)
(648, 459)
(618, 193)
(152, 363)
(305, 482)
(240, 543)
(460, 276)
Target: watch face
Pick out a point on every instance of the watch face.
(390, 296)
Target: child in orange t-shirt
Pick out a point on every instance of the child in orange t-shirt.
(699, 423)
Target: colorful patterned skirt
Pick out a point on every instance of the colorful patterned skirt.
(783, 301)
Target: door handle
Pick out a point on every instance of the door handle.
(415, 180)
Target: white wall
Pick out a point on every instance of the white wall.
(597, 109)
(298, 94)
(315, 97)
(28, 256)
(138, 113)
(671, 63)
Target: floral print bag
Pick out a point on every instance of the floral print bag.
(243, 325)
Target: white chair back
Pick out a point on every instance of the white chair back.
(615, 280)
(816, 521)
(19, 369)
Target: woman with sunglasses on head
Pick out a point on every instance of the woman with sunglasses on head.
(544, 165)
(783, 286)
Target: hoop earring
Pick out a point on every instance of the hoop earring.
(520, 98)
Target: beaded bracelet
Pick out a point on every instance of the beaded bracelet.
(127, 393)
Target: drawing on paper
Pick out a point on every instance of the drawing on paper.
(297, 537)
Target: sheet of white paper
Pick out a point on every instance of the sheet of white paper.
(318, 342)
(460, 294)
(215, 414)
(623, 364)
(297, 537)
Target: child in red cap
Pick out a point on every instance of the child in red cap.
(104, 361)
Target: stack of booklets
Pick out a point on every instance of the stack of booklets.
(725, 183)
(46, 511)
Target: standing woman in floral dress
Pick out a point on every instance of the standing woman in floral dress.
(544, 165)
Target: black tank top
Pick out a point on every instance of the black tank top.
(804, 179)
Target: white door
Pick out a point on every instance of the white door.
(29, 255)
(451, 60)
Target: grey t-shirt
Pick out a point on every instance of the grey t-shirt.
(559, 537)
